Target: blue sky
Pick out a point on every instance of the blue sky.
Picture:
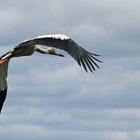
(53, 98)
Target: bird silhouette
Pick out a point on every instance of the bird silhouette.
(56, 41)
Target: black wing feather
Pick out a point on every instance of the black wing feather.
(82, 56)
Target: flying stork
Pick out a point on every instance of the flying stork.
(56, 41)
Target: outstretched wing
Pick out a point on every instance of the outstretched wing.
(63, 42)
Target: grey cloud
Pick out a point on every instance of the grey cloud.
(28, 129)
(99, 90)
(54, 98)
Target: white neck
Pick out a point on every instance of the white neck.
(3, 75)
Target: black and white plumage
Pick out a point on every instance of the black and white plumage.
(28, 47)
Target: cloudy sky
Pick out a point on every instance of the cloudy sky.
(53, 98)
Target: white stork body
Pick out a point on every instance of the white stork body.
(28, 47)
